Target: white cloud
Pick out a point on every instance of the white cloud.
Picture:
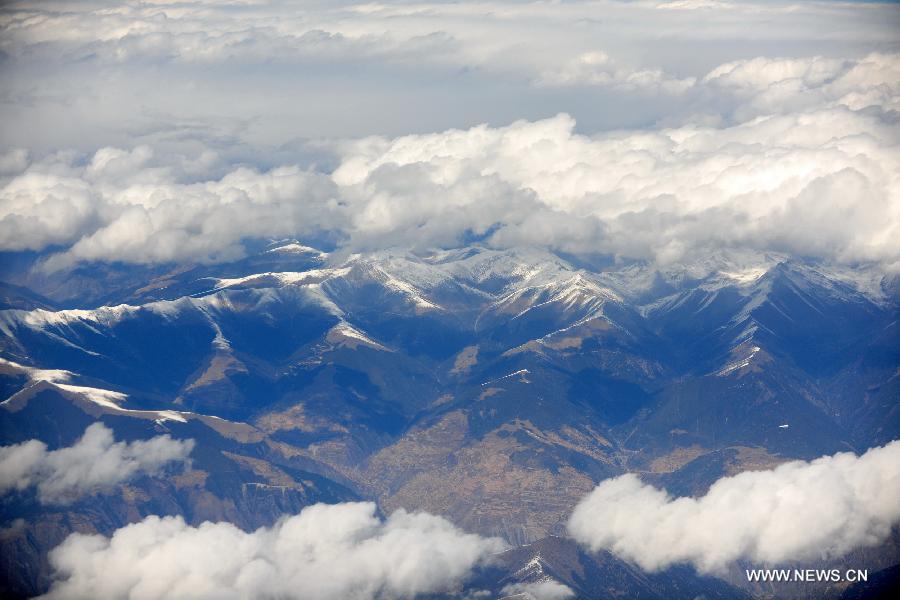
(823, 182)
(789, 85)
(694, 5)
(13, 161)
(256, 75)
(123, 206)
(597, 68)
(327, 552)
(762, 516)
(96, 461)
(547, 589)
(777, 141)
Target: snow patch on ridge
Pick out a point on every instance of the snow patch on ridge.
(59, 378)
(740, 364)
(283, 277)
(294, 247)
(344, 334)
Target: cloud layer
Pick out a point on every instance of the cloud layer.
(763, 516)
(260, 74)
(95, 461)
(194, 126)
(327, 552)
(821, 183)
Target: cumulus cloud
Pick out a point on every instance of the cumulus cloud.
(96, 461)
(765, 85)
(122, 205)
(327, 552)
(821, 184)
(761, 516)
(547, 589)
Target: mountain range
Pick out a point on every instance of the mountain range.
(491, 387)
